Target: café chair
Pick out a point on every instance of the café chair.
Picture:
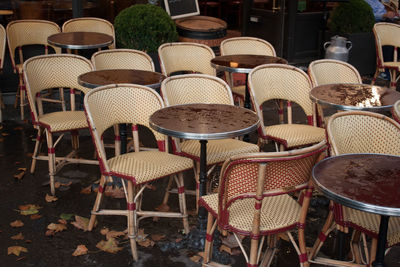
(2, 52)
(328, 71)
(396, 111)
(108, 105)
(122, 59)
(242, 46)
(386, 34)
(201, 88)
(186, 57)
(55, 71)
(256, 199)
(359, 132)
(284, 82)
(90, 24)
(21, 33)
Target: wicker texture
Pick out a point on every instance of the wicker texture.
(90, 24)
(246, 45)
(396, 111)
(278, 81)
(186, 56)
(64, 121)
(326, 71)
(122, 59)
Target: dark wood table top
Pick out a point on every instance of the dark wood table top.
(243, 63)
(355, 96)
(80, 40)
(97, 78)
(368, 182)
(204, 121)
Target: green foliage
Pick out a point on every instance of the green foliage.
(352, 17)
(144, 27)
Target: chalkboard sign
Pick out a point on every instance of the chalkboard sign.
(181, 8)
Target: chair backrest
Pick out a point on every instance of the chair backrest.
(195, 88)
(396, 111)
(326, 71)
(385, 34)
(259, 175)
(54, 71)
(90, 24)
(279, 81)
(2, 46)
(185, 56)
(109, 105)
(122, 59)
(246, 45)
(29, 32)
(363, 132)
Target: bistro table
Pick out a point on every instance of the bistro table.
(97, 78)
(244, 64)
(367, 182)
(80, 40)
(204, 122)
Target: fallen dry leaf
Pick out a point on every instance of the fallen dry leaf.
(157, 237)
(81, 223)
(28, 209)
(87, 190)
(49, 198)
(5, 134)
(163, 208)
(114, 192)
(104, 231)
(111, 245)
(80, 250)
(226, 249)
(114, 234)
(49, 233)
(58, 184)
(146, 243)
(66, 216)
(62, 221)
(16, 250)
(35, 216)
(195, 258)
(19, 176)
(57, 227)
(19, 236)
(17, 223)
(22, 169)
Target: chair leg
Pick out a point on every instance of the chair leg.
(132, 220)
(393, 79)
(38, 142)
(211, 225)
(355, 246)
(182, 201)
(197, 179)
(52, 160)
(326, 229)
(97, 202)
(253, 252)
(167, 192)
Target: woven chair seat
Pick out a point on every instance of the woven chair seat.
(218, 150)
(147, 165)
(239, 90)
(370, 222)
(63, 121)
(295, 135)
(272, 218)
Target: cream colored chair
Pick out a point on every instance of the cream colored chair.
(90, 24)
(201, 88)
(56, 71)
(122, 59)
(387, 34)
(134, 104)
(2, 52)
(359, 132)
(241, 46)
(254, 200)
(284, 82)
(28, 32)
(186, 57)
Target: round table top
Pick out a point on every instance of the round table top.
(367, 182)
(80, 40)
(204, 121)
(97, 78)
(243, 63)
(355, 96)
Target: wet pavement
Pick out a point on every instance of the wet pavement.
(162, 246)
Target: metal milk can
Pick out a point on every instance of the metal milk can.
(338, 48)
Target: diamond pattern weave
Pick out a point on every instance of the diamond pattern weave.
(64, 120)
(296, 134)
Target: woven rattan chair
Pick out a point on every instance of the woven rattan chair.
(2, 52)
(254, 200)
(387, 34)
(284, 82)
(90, 24)
(122, 59)
(201, 88)
(239, 46)
(396, 111)
(55, 71)
(28, 32)
(359, 132)
(186, 57)
(134, 104)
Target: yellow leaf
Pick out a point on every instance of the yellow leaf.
(19, 236)
(16, 250)
(81, 223)
(49, 198)
(17, 223)
(80, 250)
(28, 209)
(57, 227)
(111, 245)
